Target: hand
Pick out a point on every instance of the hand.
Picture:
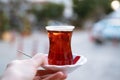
(28, 69)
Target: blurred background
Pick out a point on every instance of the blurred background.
(96, 35)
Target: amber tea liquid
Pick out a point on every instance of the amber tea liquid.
(60, 47)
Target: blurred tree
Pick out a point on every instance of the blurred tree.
(4, 23)
(52, 11)
(85, 9)
(49, 11)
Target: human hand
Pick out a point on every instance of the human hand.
(28, 69)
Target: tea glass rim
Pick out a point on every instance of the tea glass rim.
(60, 28)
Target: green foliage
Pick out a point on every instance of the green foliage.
(85, 7)
(49, 11)
(4, 22)
(105, 4)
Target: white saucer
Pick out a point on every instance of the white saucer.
(78, 60)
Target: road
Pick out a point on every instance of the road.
(103, 60)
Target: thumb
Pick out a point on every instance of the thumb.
(39, 59)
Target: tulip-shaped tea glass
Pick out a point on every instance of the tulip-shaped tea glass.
(60, 45)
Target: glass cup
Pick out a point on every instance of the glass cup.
(60, 45)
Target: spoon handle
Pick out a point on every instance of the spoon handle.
(25, 54)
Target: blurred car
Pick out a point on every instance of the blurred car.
(106, 29)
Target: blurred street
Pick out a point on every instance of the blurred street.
(96, 35)
(103, 59)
